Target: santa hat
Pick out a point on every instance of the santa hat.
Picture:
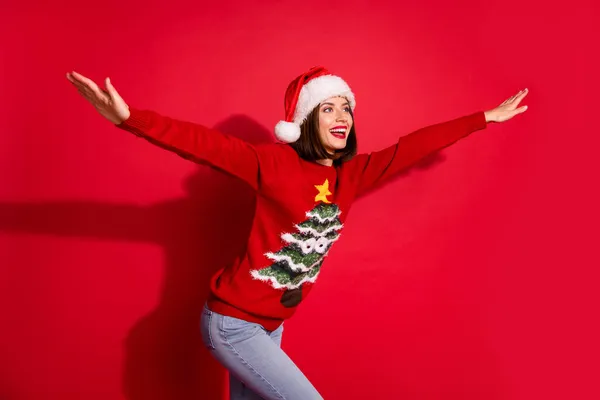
(304, 94)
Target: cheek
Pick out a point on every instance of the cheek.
(324, 124)
(324, 136)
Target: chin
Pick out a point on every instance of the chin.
(339, 145)
(333, 149)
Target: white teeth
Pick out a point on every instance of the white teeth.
(337, 130)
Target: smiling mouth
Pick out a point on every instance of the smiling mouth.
(339, 133)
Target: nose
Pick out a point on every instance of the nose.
(341, 116)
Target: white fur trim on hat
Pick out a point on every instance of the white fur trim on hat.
(287, 132)
(319, 89)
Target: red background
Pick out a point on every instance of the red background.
(472, 276)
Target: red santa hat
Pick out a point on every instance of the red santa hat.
(305, 93)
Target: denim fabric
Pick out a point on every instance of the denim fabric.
(258, 367)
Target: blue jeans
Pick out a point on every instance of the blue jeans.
(258, 367)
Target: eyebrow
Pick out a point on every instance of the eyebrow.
(331, 104)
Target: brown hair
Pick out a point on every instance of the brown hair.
(310, 147)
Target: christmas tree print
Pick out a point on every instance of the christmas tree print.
(300, 260)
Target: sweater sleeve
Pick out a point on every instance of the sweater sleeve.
(197, 143)
(377, 167)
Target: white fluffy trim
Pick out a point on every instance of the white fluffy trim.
(273, 281)
(319, 89)
(287, 132)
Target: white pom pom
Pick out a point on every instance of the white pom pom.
(287, 132)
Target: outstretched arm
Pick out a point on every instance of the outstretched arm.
(191, 141)
(375, 168)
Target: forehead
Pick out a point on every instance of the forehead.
(339, 100)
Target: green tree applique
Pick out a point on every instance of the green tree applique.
(300, 260)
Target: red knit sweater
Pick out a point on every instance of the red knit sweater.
(301, 206)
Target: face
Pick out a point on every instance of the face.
(335, 122)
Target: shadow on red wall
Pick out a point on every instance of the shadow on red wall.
(164, 355)
(200, 233)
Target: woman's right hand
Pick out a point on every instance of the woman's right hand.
(107, 102)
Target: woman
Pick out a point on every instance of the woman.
(305, 186)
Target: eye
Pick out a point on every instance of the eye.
(326, 109)
(321, 245)
(308, 245)
(347, 109)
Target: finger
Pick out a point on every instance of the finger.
(80, 79)
(85, 95)
(112, 92)
(517, 111)
(98, 93)
(82, 88)
(79, 85)
(93, 97)
(87, 90)
(523, 94)
(509, 100)
(87, 82)
(520, 97)
(513, 97)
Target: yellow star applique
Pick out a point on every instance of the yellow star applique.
(323, 192)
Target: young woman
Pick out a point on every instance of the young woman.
(305, 185)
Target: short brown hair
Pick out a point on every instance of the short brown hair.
(310, 147)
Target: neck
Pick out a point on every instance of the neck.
(327, 162)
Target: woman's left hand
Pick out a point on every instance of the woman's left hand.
(508, 109)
